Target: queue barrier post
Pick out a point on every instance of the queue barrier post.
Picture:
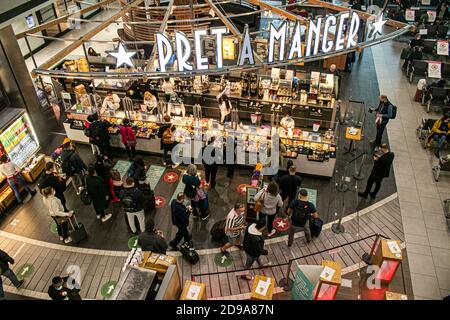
(286, 282)
(367, 257)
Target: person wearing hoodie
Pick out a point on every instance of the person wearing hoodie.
(128, 138)
(254, 245)
(96, 189)
(72, 164)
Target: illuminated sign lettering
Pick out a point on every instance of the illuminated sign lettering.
(321, 36)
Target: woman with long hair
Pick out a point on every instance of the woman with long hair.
(56, 211)
(195, 192)
(271, 203)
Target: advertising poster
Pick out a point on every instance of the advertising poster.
(442, 47)
(431, 15)
(434, 69)
(410, 15)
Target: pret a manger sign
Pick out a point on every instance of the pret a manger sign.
(324, 34)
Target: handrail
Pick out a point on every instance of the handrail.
(292, 259)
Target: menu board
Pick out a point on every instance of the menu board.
(18, 141)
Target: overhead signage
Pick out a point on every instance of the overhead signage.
(323, 35)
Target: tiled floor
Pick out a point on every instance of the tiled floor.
(426, 232)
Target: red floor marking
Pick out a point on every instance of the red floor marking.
(171, 177)
(242, 188)
(160, 201)
(281, 224)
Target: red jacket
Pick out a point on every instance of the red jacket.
(127, 134)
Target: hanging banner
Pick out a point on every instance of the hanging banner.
(431, 15)
(434, 69)
(442, 47)
(410, 15)
(306, 279)
(426, 2)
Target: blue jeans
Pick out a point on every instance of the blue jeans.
(11, 276)
(15, 187)
(440, 139)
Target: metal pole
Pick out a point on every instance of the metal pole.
(358, 174)
(89, 66)
(338, 227)
(31, 52)
(286, 282)
(367, 257)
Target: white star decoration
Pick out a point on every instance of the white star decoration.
(158, 201)
(170, 177)
(379, 24)
(122, 56)
(281, 224)
(243, 189)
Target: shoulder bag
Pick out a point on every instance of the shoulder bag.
(260, 203)
(84, 196)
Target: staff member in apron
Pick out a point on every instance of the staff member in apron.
(13, 176)
(150, 102)
(168, 88)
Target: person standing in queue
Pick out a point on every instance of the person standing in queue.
(98, 132)
(72, 165)
(98, 192)
(254, 246)
(210, 164)
(14, 177)
(271, 203)
(384, 112)
(58, 214)
(235, 227)
(180, 219)
(195, 192)
(51, 179)
(133, 204)
(289, 184)
(128, 138)
(152, 239)
(166, 135)
(301, 211)
(381, 169)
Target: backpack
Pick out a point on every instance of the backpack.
(315, 226)
(299, 215)
(67, 166)
(218, 230)
(167, 136)
(394, 112)
(129, 204)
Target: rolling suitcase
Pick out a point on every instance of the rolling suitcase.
(188, 251)
(78, 232)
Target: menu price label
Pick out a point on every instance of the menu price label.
(442, 47)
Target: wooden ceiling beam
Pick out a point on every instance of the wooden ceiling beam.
(67, 50)
(64, 18)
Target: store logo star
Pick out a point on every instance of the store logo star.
(379, 25)
(170, 177)
(158, 202)
(281, 224)
(122, 56)
(243, 189)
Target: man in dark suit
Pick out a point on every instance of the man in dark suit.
(381, 168)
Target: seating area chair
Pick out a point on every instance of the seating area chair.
(446, 70)
(432, 31)
(429, 46)
(424, 130)
(442, 31)
(438, 96)
(417, 68)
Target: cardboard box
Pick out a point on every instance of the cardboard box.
(193, 291)
(157, 262)
(262, 288)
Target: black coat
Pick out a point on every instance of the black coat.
(97, 191)
(150, 241)
(4, 260)
(382, 166)
(50, 180)
(136, 194)
(180, 215)
(254, 244)
(74, 158)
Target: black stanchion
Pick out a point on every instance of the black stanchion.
(286, 282)
(367, 257)
(359, 174)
